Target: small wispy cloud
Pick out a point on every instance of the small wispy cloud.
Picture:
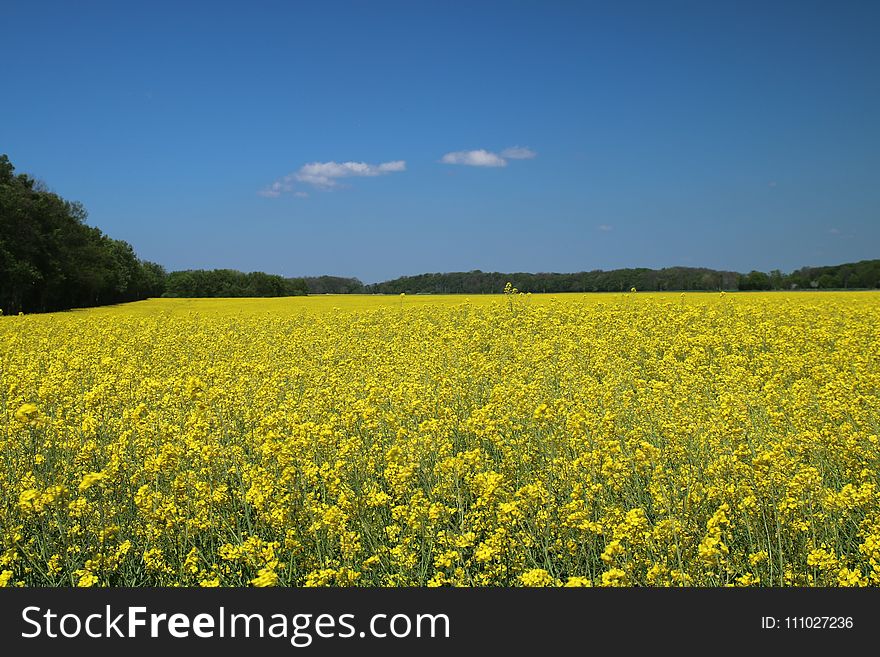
(834, 231)
(483, 158)
(326, 175)
(605, 228)
(518, 153)
(478, 158)
(276, 189)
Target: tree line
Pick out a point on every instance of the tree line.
(50, 259)
(864, 274)
(231, 283)
(854, 275)
(617, 280)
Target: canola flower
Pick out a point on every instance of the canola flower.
(515, 440)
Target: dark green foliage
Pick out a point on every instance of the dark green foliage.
(51, 260)
(864, 274)
(852, 275)
(754, 280)
(333, 285)
(618, 280)
(231, 283)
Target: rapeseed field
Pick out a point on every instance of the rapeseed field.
(513, 440)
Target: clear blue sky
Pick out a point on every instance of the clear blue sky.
(723, 134)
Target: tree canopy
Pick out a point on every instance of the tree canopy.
(231, 283)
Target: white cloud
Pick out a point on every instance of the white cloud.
(605, 228)
(484, 158)
(478, 158)
(391, 167)
(834, 231)
(518, 153)
(325, 175)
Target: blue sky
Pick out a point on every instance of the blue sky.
(355, 138)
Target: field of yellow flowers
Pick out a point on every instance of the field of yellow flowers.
(620, 440)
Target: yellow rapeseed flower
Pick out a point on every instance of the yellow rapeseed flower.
(91, 479)
(501, 440)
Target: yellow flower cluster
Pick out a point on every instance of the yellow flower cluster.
(525, 440)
